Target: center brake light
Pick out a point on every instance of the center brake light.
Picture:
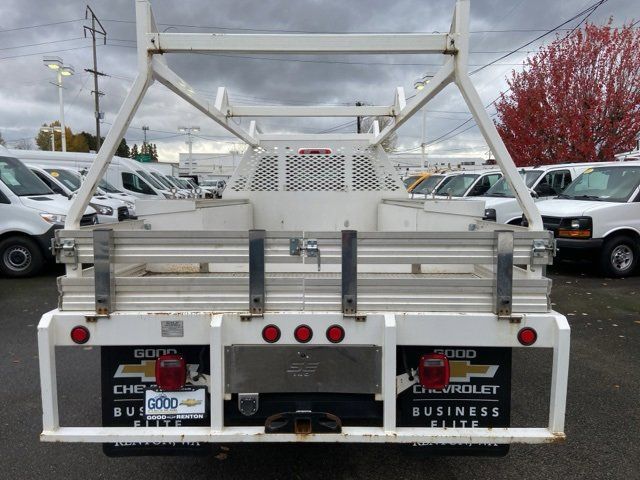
(433, 371)
(171, 372)
(314, 151)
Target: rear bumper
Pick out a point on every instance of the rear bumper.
(384, 330)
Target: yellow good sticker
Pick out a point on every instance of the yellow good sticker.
(55, 174)
(588, 170)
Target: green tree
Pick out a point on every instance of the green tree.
(75, 142)
(2, 142)
(123, 149)
(154, 152)
(134, 151)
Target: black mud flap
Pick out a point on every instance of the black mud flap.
(127, 372)
(303, 422)
(478, 395)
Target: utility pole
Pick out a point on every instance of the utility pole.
(359, 119)
(96, 92)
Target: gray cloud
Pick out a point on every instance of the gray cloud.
(27, 99)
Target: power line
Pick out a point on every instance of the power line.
(41, 43)
(40, 25)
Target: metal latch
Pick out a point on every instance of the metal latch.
(541, 249)
(248, 403)
(65, 251)
(306, 247)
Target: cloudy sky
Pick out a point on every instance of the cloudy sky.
(30, 29)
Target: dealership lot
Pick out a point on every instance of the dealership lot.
(603, 414)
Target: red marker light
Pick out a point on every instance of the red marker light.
(271, 334)
(303, 333)
(433, 371)
(335, 333)
(80, 334)
(527, 336)
(314, 151)
(171, 372)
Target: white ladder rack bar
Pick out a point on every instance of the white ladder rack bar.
(370, 43)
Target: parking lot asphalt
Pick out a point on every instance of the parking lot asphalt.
(603, 408)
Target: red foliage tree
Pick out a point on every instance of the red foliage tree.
(577, 100)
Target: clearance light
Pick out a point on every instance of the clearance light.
(80, 334)
(303, 333)
(433, 371)
(271, 334)
(314, 151)
(171, 372)
(527, 336)
(335, 333)
(574, 233)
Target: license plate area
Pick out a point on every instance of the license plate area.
(188, 403)
(478, 395)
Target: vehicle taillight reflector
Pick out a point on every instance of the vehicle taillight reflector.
(335, 333)
(271, 334)
(171, 372)
(303, 333)
(314, 151)
(433, 371)
(527, 336)
(80, 334)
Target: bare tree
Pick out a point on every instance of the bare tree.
(389, 144)
(24, 144)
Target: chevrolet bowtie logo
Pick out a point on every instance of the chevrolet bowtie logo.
(463, 370)
(145, 370)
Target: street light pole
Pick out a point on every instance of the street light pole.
(55, 63)
(63, 132)
(189, 141)
(419, 85)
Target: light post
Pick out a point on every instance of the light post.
(51, 131)
(55, 63)
(189, 141)
(419, 85)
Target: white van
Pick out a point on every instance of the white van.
(430, 184)
(467, 184)
(122, 172)
(29, 214)
(598, 216)
(67, 181)
(543, 182)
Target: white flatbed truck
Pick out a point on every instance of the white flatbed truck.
(320, 304)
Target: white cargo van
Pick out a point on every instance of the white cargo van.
(29, 214)
(543, 182)
(431, 183)
(66, 182)
(598, 216)
(122, 172)
(467, 184)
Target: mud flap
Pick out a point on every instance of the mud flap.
(478, 395)
(127, 372)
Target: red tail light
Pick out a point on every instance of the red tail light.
(314, 151)
(527, 336)
(171, 372)
(433, 371)
(80, 334)
(271, 334)
(335, 333)
(303, 333)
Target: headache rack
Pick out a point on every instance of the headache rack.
(310, 225)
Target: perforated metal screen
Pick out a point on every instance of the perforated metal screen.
(347, 168)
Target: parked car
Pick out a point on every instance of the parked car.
(543, 182)
(598, 217)
(414, 180)
(29, 214)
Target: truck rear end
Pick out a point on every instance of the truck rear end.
(314, 303)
